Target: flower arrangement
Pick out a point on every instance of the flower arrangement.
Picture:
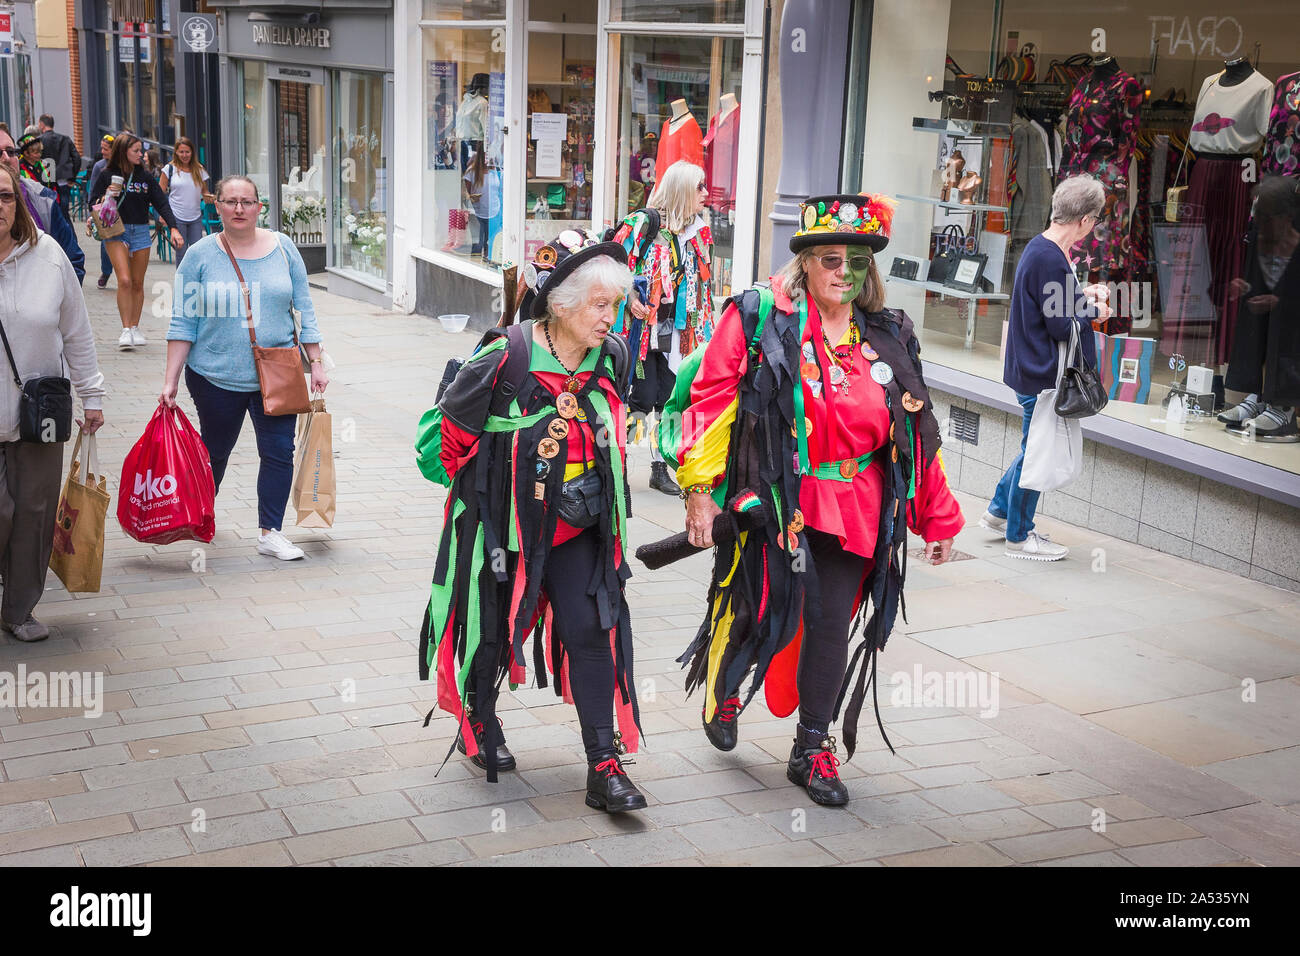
(303, 211)
(368, 233)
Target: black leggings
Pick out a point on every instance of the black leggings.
(576, 621)
(825, 651)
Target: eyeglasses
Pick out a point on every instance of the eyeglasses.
(7, 197)
(702, 187)
(833, 263)
(239, 203)
(10, 151)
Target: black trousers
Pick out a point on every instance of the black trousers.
(652, 392)
(576, 621)
(825, 651)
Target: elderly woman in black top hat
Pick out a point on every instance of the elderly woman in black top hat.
(529, 437)
(811, 397)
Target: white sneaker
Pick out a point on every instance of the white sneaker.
(278, 546)
(1036, 547)
(126, 341)
(137, 336)
(993, 524)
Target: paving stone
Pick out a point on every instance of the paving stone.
(350, 811)
(1154, 830)
(46, 765)
(102, 803)
(259, 715)
(262, 754)
(891, 809)
(350, 764)
(296, 728)
(805, 853)
(474, 821)
(731, 833)
(566, 855)
(256, 854)
(308, 793)
(222, 833)
(221, 783)
(680, 814)
(1047, 846)
(133, 848)
(811, 822)
(1203, 852)
(470, 793)
(638, 849)
(424, 854)
(515, 839)
(968, 798)
(716, 784)
(61, 856)
(184, 813)
(1067, 814)
(40, 788)
(1088, 860)
(887, 841)
(338, 844)
(946, 776)
(51, 835)
(967, 854)
(1260, 832)
(982, 827)
(125, 774)
(24, 816)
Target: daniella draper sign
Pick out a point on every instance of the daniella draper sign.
(279, 34)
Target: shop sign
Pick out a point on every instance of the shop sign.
(297, 74)
(6, 32)
(285, 34)
(126, 41)
(199, 32)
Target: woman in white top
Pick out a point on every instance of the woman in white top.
(185, 182)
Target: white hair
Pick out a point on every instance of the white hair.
(599, 274)
(1077, 197)
(675, 194)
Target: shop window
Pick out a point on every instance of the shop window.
(464, 9)
(252, 128)
(105, 84)
(464, 109)
(361, 169)
(700, 11)
(561, 135)
(300, 135)
(1145, 104)
(679, 99)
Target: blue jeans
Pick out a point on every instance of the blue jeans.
(1010, 501)
(105, 266)
(221, 416)
(191, 232)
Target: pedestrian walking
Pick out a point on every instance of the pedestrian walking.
(1046, 300)
(840, 444)
(43, 204)
(208, 339)
(29, 145)
(105, 266)
(535, 527)
(185, 182)
(46, 333)
(67, 160)
(678, 265)
(125, 178)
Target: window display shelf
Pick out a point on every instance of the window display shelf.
(961, 127)
(958, 206)
(941, 289)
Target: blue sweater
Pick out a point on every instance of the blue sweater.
(1045, 299)
(208, 310)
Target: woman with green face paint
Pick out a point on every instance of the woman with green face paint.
(810, 398)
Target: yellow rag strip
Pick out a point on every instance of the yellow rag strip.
(721, 636)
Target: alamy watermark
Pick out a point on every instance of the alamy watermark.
(944, 689)
(82, 690)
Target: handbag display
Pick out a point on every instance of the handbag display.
(946, 251)
(45, 404)
(582, 499)
(1018, 67)
(1079, 392)
(1070, 71)
(279, 370)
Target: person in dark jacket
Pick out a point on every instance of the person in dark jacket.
(67, 160)
(43, 205)
(105, 267)
(135, 191)
(1045, 301)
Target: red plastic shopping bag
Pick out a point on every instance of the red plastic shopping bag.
(167, 492)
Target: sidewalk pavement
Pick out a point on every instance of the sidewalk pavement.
(264, 713)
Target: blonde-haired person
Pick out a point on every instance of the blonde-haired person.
(47, 333)
(185, 182)
(841, 446)
(679, 315)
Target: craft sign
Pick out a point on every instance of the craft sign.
(1212, 36)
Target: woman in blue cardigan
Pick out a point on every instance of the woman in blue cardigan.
(208, 338)
(1046, 300)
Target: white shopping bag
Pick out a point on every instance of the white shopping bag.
(1054, 447)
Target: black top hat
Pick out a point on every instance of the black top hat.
(844, 220)
(556, 261)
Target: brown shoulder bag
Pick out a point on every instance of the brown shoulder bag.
(279, 371)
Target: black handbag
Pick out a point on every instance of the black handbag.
(947, 247)
(1079, 393)
(582, 499)
(45, 409)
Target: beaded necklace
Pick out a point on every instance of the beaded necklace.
(570, 383)
(840, 372)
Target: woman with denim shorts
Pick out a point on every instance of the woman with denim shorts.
(135, 192)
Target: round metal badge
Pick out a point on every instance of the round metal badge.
(548, 448)
(566, 404)
(808, 354)
(796, 522)
(848, 212)
(809, 372)
(541, 469)
(558, 428)
(837, 375)
(869, 353)
(848, 467)
(571, 239)
(912, 404)
(881, 373)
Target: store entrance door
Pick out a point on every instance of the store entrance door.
(302, 181)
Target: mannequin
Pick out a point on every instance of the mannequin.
(1229, 126)
(1282, 142)
(681, 138)
(722, 154)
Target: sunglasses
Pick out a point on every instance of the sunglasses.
(833, 263)
(10, 151)
(7, 197)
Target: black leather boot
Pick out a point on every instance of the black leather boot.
(505, 759)
(724, 729)
(609, 789)
(813, 766)
(660, 480)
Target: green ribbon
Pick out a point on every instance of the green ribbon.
(800, 420)
(601, 406)
(830, 470)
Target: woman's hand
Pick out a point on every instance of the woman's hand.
(177, 239)
(939, 551)
(1262, 303)
(1237, 288)
(639, 309)
(94, 419)
(168, 394)
(701, 509)
(319, 377)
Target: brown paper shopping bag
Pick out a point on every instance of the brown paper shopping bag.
(312, 494)
(78, 553)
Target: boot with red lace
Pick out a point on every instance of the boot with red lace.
(505, 759)
(609, 787)
(814, 766)
(724, 729)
